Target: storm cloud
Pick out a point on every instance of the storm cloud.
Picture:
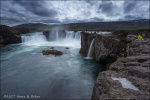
(129, 6)
(106, 7)
(15, 12)
(38, 7)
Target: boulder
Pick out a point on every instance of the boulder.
(54, 52)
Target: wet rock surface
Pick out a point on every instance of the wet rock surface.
(9, 35)
(106, 49)
(135, 68)
(53, 52)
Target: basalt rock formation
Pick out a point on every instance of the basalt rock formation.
(135, 68)
(10, 35)
(106, 49)
(125, 58)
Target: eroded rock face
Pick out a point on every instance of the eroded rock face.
(107, 88)
(135, 68)
(85, 42)
(106, 49)
(9, 35)
(128, 59)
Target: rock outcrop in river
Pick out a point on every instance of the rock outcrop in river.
(128, 66)
(53, 52)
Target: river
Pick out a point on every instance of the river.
(27, 73)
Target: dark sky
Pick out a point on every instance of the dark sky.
(15, 12)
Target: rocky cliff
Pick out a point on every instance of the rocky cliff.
(106, 49)
(128, 66)
(10, 35)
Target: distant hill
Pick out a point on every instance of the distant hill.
(40, 26)
(115, 25)
(30, 25)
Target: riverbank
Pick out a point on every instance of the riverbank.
(127, 61)
(11, 35)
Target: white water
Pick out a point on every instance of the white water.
(69, 34)
(57, 37)
(72, 39)
(53, 35)
(73, 35)
(89, 52)
(33, 38)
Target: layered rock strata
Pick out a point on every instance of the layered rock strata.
(128, 66)
(135, 68)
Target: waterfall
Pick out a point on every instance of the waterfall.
(54, 35)
(69, 34)
(73, 35)
(33, 38)
(89, 52)
(77, 35)
(57, 37)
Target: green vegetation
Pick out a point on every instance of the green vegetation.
(139, 37)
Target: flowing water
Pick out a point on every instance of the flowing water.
(90, 50)
(25, 71)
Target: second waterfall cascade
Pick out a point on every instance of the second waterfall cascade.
(90, 50)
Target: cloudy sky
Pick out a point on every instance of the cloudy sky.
(15, 12)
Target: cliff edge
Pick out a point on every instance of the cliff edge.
(128, 66)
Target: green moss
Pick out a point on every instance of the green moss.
(54, 52)
(139, 37)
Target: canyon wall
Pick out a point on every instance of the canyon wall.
(106, 49)
(128, 65)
